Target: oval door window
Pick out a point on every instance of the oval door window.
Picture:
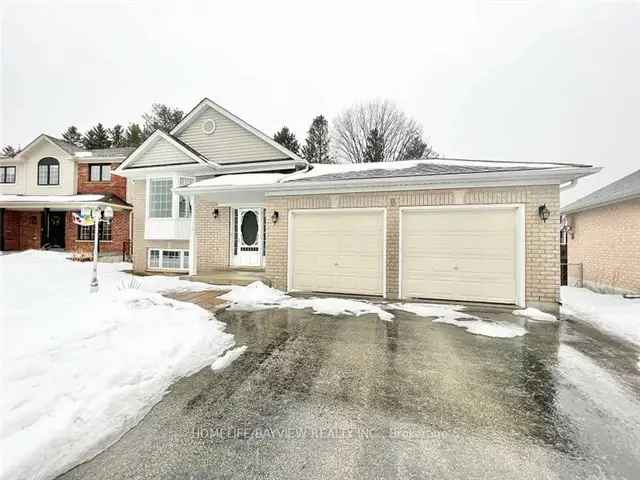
(249, 228)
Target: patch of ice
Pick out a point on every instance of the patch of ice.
(612, 313)
(452, 315)
(77, 370)
(226, 360)
(535, 314)
(258, 296)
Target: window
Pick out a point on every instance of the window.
(168, 259)
(7, 174)
(184, 203)
(48, 171)
(85, 232)
(99, 173)
(160, 198)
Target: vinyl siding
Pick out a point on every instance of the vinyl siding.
(162, 153)
(229, 142)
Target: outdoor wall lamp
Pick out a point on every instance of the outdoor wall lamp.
(216, 212)
(544, 212)
(274, 217)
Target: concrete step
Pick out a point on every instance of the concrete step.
(231, 277)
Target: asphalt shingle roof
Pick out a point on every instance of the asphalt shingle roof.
(626, 188)
(66, 146)
(421, 169)
(113, 151)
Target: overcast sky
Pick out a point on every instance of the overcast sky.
(504, 80)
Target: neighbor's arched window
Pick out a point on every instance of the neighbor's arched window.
(48, 171)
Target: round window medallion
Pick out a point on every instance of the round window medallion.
(208, 126)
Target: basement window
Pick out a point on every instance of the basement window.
(174, 260)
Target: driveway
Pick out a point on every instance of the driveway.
(355, 397)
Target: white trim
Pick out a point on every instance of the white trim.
(235, 234)
(193, 240)
(334, 210)
(160, 268)
(205, 102)
(520, 244)
(149, 142)
(37, 140)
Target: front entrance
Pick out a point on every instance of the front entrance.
(53, 235)
(248, 247)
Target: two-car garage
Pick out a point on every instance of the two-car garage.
(467, 253)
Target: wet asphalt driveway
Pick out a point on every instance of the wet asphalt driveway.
(355, 397)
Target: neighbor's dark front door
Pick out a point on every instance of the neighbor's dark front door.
(55, 230)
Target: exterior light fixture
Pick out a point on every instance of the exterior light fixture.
(544, 212)
(108, 213)
(216, 212)
(274, 216)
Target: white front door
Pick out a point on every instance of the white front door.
(248, 237)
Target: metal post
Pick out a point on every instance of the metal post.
(94, 279)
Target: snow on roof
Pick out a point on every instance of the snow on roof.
(50, 198)
(240, 179)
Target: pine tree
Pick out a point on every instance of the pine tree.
(117, 136)
(316, 149)
(10, 151)
(287, 139)
(73, 136)
(417, 149)
(161, 117)
(375, 147)
(133, 137)
(97, 137)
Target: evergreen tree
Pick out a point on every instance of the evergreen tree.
(316, 148)
(97, 137)
(10, 151)
(161, 117)
(73, 136)
(374, 151)
(133, 137)
(418, 148)
(117, 136)
(287, 139)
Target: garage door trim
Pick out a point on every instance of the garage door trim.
(520, 236)
(336, 210)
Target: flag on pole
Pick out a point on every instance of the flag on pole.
(85, 221)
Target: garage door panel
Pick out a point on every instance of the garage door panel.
(459, 254)
(338, 251)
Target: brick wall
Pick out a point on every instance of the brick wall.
(117, 185)
(119, 235)
(606, 241)
(542, 249)
(22, 229)
(213, 236)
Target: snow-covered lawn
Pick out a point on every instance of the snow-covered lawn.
(612, 313)
(79, 369)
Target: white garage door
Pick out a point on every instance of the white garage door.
(337, 251)
(460, 254)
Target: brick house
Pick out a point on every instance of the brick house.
(216, 194)
(602, 236)
(46, 182)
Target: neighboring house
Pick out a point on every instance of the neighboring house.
(603, 235)
(48, 180)
(217, 194)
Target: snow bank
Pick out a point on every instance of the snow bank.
(226, 360)
(452, 315)
(535, 314)
(79, 369)
(258, 296)
(612, 313)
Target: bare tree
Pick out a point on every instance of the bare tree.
(398, 133)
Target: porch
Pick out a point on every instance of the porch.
(231, 277)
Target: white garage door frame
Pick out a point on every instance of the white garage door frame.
(520, 235)
(292, 213)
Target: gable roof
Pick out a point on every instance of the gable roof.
(206, 102)
(627, 188)
(78, 152)
(159, 135)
